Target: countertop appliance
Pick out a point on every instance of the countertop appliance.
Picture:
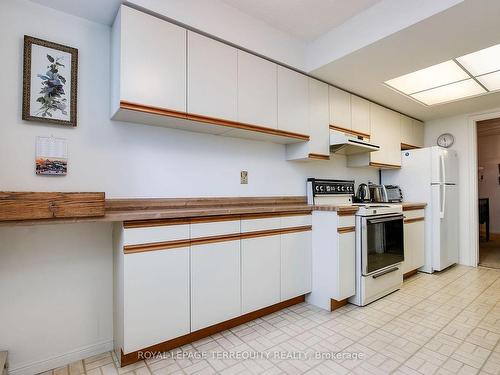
(431, 175)
(347, 144)
(363, 193)
(378, 193)
(379, 252)
(394, 194)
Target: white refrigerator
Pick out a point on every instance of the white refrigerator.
(431, 175)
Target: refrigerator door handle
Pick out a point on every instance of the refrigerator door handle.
(443, 169)
(442, 191)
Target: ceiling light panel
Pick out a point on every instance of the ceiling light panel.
(481, 62)
(490, 81)
(424, 79)
(449, 93)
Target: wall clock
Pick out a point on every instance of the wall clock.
(446, 140)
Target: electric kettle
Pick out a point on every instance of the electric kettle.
(363, 193)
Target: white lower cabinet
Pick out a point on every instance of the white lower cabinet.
(414, 241)
(215, 283)
(260, 272)
(296, 264)
(155, 297)
(346, 283)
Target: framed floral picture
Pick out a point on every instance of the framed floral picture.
(49, 82)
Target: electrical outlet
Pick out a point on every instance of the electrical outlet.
(244, 177)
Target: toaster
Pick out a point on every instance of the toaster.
(393, 193)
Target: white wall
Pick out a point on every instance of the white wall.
(124, 160)
(56, 292)
(465, 144)
(489, 187)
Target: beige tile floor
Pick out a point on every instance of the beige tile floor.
(446, 323)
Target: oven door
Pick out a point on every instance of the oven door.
(382, 243)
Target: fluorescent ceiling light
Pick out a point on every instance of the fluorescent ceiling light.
(433, 76)
(481, 62)
(449, 93)
(490, 81)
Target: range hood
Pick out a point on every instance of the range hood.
(346, 144)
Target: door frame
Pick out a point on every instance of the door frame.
(473, 176)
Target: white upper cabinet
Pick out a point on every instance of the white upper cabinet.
(385, 131)
(319, 130)
(418, 133)
(318, 118)
(150, 56)
(293, 101)
(360, 114)
(340, 108)
(257, 91)
(412, 132)
(212, 73)
(406, 130)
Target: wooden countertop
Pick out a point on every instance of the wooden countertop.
(170, 208)
(117, 210)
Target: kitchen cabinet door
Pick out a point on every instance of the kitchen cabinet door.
(386, 133)
(318, 118)
(407, 136)
(418, 133)
(293, 101)
(152, 61)
(212, 76)
(360, 113)
(257, 91)
(407, 265)
(414, 243)
(296, 264)
(155, 297)
(215, 283)
(346, 266)
(340, 108)
(379, 128)
(260, 272)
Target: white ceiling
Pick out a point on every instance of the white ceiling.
(467, 27)
(304, 19)
(100, 11)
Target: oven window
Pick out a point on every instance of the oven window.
(385, 244)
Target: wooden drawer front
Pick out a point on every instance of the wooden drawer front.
(216, 228)
(255, 225)
(296, 221)
(414, 214)
(137, 236)
(347, 221)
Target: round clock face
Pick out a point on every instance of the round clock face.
(445, 140)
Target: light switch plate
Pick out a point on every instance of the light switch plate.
(244, 177)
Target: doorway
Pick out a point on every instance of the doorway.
(488, 158)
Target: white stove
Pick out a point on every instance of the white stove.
(379, 248)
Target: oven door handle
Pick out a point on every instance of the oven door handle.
(390, 270)
(385, 220)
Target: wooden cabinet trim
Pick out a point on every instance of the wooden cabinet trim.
(346, 230)
(347, 212)
(166, 245)
(408, 221)
(406, 146)
(154, 223)
(334, 304)
(349, 131)
(414, 207)
(129, 358)
(318, 156)
(210, 120)
(383, 165)
(409, 274)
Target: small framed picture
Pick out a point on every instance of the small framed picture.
(51, 156)
(49, 82)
